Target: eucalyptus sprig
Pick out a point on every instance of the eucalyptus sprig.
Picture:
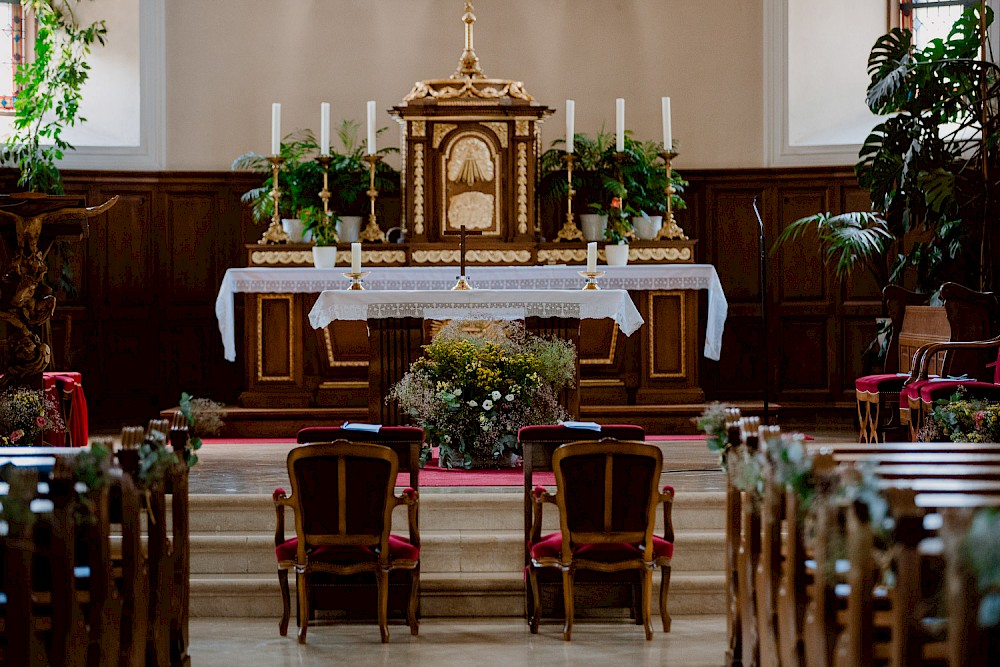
(49, 91)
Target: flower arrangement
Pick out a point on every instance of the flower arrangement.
(24, 414)
(478, 383)
(619, 227)
(962, 419)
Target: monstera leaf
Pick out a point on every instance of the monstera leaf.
(888, 66)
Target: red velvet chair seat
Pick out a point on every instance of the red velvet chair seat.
(882, 383)
(932, 391)
(550, 546)
(399, 549)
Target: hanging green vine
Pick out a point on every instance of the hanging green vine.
(49, 92)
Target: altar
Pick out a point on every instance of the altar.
(321, 375)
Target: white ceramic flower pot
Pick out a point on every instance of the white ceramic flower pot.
(295, 229)
(647, 228)
(592, 225)
(325, 256)
(617, 255)
(349, 228)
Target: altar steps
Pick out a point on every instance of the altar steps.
(472, 554)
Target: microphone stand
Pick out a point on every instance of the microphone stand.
(763, 309)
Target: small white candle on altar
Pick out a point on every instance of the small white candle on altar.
(355, 258)
(570, 124)
(592, 257)
(668, 134)
(324, 128)
(620, 124)
(371, 127)
(276, 128)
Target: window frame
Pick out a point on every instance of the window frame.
(20, 51)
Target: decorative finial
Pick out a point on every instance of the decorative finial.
(468, 65)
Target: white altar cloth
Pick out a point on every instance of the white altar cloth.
(269, 280)
(477, 304)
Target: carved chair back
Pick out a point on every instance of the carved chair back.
(404, 440)
(972, 316)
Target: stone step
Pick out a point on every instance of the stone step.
(254, 513)
(441, 594)
(464, 551)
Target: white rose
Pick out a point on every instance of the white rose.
(509, 397)
(458, 392)
(495, 395)
(473, 404)
(487, 404)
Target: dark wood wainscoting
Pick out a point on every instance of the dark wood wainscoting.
(143, 327)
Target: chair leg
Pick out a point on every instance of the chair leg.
(302, 592)
(536, 612)
(286, 606)
(382, 583)
(664, 591)
(647, 601)
(567, 577)
(411, 608)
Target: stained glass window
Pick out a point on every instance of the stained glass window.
(932, 19)
(11, 52)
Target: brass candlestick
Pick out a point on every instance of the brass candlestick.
(372, 233)
(569, 231)
(274, 233)
(356, 279)
(591, 277)
(463, 282)
(324, 194)
(670, 229)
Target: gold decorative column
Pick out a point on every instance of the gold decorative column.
(324, 194)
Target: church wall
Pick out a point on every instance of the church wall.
(227, 60)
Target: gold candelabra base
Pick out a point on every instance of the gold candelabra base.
(569, 231)
(275, 234)
(591, 277)
(462, 284)
(356, 280)
(670, 229)
(371, 233)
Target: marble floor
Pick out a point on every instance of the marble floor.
(692, 642)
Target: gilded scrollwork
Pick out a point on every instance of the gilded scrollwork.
(522, 188)
(441, 129)
(499, 129)
(418, 189)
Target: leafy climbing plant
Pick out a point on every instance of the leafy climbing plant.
(49, 92)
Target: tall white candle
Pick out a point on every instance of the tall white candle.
(620, 124)
(276, 128)
(324, 128)
(668, 134)
(355, 258)
(570, 124)
(371, 127)
(592, 257)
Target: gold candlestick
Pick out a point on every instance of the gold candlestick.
(274, 233)
(591, 277)
(356, 279)
(372, 233)
(670, 229)
(324, 194)
(569, 231)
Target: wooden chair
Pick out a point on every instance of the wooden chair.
(404, 440)
(973, 318)
(913, 323)
(342, 499)
(607, 495)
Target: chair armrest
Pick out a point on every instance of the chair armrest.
(540, 497)
(411, 498)
(667, 498)
(934, 348)
(916, 362)
(281, 501)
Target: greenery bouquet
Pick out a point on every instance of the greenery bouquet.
(478, 383)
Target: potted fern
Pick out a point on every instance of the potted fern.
(322, 225)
